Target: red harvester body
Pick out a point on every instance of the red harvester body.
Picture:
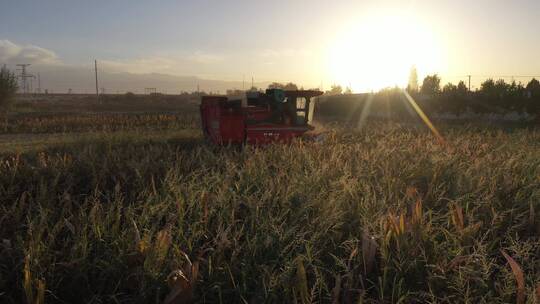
(262, 118)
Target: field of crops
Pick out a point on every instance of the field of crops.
(381, 215)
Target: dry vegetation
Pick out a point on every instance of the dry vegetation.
(102, 122)
(379, 215)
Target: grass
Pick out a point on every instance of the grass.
(380, 215)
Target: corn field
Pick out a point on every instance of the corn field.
(102, 122)
(381, 215)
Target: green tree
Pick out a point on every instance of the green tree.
(485, 96)
(449, 88)
(462, 89)
(431, 86)
(487, 87)
(500, 96)
(454, 98)
(461, 98)
(290, 87)
(533, 88)
(287, 87)
(533, 94)
(276, 85)
(8, 88)
(335, 90)
(515, 97)
(234, 92)
(502, 88)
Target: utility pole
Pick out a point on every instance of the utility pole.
(252, 82)
(469, 82)
(39, 83)
(97, 90)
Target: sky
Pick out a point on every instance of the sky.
(362, 44)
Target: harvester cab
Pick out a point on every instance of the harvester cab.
(259, 118)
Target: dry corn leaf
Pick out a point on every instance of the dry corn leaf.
(70, 226)
(182, 282)
(27, 281)
(181, 288)
(393, 223)
(457, 217)
(401, 224)
(142, 247)
(40, 298)
(411, 192)
(153, 185)
(418, 215)
(537, 299)
(518, 274)
(369, 249)
(136, 231)
(354, 252)
(194, 273)
(162, 243)
(457, 261)
(531, 217)
(337, 290)
(301, 281)
(204, 200)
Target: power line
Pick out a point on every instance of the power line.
(507, 76)
(490, 76)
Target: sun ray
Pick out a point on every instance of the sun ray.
(424, 117)
(366, 109)
(349, 118)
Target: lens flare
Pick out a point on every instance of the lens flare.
(424, 117)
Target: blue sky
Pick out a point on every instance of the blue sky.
(281, 40)
(120, 29)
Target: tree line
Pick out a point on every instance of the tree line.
(493, 96)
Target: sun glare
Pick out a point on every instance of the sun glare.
(379, 50)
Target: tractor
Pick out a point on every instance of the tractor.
(258, 118)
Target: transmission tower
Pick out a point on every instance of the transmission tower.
(24, 76)
(39, 84)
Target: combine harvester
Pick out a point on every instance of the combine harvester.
(259, 119)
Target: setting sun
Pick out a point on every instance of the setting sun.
(379, 50)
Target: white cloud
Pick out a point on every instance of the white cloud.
(168, 64)
(205, 58)
(283, 53)
(12, 53)
(140, 66)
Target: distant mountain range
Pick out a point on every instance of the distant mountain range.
(60, 79)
